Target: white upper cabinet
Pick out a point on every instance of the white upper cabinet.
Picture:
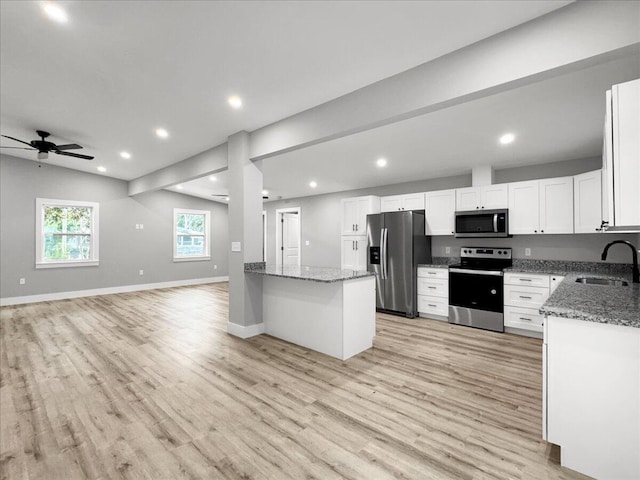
(524, 202)
(621, 157)
(541, 206)
(439, 211)
(410, 201)
(355, 211)
(484, 197)
(556, 205)
(587, 202)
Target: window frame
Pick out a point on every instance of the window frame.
(206, 235)
(41, 203)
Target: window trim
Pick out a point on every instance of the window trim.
(207, 235)
(40, 234)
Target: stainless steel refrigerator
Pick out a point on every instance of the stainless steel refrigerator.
(396, 244)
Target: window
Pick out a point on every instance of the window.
(66, 233)
(191, 234)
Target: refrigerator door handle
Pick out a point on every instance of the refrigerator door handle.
(383, 243)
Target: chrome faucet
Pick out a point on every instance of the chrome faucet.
(636, 272)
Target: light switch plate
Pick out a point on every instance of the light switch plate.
(306, 242)
(527, 252)
(236, 247)
(447, 250)
(23, 281)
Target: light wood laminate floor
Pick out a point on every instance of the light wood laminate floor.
(150, 385)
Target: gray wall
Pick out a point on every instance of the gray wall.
(320, 221)
(123, 249)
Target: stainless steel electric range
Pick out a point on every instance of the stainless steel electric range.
(476, 288)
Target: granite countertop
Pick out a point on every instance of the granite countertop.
(593, 303)
(440, 262)
(596, 303)
(303, 272)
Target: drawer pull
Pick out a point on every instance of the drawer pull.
(432, 273)
(522, 296)
(432, 288)
(525, 318)
(524, 279)
(431, 305)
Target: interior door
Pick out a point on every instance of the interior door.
(399, 292)
(290, 240)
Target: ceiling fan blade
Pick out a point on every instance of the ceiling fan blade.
(17, 139)
(20, 148)
(69, 146)
(76, 155)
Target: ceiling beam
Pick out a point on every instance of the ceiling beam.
(204, 163)
(577, 36)
(572, 38)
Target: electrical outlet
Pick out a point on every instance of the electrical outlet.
(527, 252)
(140, 272)
(137, 226)
(215, 267)
(23, 281)
(447, 250)
(142, 226)
(306, 243)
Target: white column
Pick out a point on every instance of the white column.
(245, 235)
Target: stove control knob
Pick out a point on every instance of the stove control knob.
(493, 291)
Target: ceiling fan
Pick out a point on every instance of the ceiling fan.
(43, 147)
(226, 196)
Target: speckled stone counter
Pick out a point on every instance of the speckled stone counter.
(440, 262)
(313, 274)
(593, 303)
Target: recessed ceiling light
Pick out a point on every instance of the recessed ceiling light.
(126, 155)
(381, 162)
(54, 12)
(265, 192)
(313, 184)
(235, 101)
(179, 187)
(507, 138)
(101, 169)
(161, 132)
(213, 178)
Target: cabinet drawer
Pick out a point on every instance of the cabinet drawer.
(436, 287)
(433, 305)
(528, 297)
(530, 279)
(433, 272)
(523, 318)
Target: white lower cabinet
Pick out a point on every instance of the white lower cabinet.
(591, 396)
(524, 294)
(354, 252)
(433, 292)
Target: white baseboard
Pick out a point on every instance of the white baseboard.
(245, 332)
(47, 297)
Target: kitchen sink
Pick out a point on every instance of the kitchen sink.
(602, 281)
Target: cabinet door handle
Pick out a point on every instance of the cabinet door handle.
(522, 296)
(353, 245)
(525, 318)
(356, 227)
(356, 242)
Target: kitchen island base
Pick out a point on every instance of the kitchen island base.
(334, 318)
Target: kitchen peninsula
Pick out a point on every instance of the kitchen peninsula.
(329, 310)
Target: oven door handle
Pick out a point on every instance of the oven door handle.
(495, 273)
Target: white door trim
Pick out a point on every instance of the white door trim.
(279, 213)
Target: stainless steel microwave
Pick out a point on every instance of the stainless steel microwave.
(483, 223)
